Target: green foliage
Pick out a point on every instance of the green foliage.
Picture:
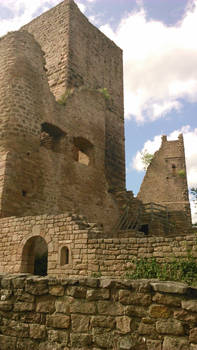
(96, 274)
(105, 93)
(182, 173)
(63, 99)
(146, 158)
(179, 269)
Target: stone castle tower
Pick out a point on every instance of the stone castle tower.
(165, 181)
(57, 157)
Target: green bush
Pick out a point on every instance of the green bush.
(179, 269)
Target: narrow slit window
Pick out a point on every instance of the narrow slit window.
(64, 256)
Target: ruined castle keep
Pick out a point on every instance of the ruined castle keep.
(64, 205)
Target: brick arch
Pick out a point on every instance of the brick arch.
(34, 255)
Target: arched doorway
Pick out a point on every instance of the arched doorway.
(35, 256)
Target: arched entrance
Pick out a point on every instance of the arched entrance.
(35, 256)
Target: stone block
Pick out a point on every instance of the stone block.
(63, 305)
(23, 306)
(159, 311)
(80, 323)
(58, 336)
(58, 321)
(103, 340)
(110, 308)
(82, 307)
(146, 329)
(170, 326)
(169, 287)
(45, 305)
(6, 305)
(103, 321)
(37, 331)
(123, 324)
(56, 290)
(190, 305)
(80, 340)
(154, 344)
(77, 292)
(127, 297)
(7, 342)
(96, 294)
(175, 343)
(193, 335)
(167, 299)
(36, 287)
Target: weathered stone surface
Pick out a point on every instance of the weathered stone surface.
(190, 305)
(82, 307)
(154, 344)
(193, 335)
(36, 286)
(109, 308)
(123, 324)
(96, 294)
(46, 305)
(79, 340)
(37, 331)
(80, 323)
(170, 326)
(63, 305)
(58, 336)
(169, 287)
(58, 321)
(6, 305)
(7, 342)
(22, 306)
(186, 316)
(159, 311)
(103, 340)
(175, 343)
(103, 321)
(126, 297)
(145, 328)
(167, 299)
(77, 292)
(56, 290)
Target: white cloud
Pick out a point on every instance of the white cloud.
(190, 142)
(23, 12)
(159, 63)
(81, 6)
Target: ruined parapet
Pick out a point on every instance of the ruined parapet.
(165, 182)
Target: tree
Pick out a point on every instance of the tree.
(146, 158)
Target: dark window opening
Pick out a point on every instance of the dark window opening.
(24, 193)
(144, 229)
(51, 137)
(64, 256)
(83, 151)
(35, 256)
(173, 169)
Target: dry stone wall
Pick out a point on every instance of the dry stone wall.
(89, 313)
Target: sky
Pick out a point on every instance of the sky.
(158, 38)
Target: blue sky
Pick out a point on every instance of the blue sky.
(158, 38)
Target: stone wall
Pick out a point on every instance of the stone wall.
(78, 54)
(50, 314)
(40, 141)
(91, 252)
